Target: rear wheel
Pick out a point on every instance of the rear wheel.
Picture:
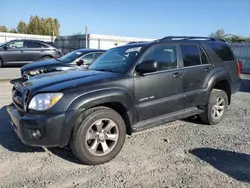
(46, 57)
(216, 108)
(1, 63)
(99, 136)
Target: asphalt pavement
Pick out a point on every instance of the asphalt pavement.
(9, 73)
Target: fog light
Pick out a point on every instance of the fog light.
(36, 133)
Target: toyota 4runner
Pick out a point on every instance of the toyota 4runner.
(129, 88)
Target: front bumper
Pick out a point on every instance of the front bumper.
(53, 128)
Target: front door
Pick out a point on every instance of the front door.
(160, 92)
(13, 52)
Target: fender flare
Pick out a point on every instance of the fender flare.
(91, 99)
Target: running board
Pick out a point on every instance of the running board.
(146, 124)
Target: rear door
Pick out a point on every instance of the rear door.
(196, 73)
(33, 50)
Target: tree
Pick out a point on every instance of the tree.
(13, 31)
(229, 37)
(219, 34)
(3, 28)
(35, 26)
(22, 27)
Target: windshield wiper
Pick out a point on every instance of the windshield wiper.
(105, 70)
(58, 60)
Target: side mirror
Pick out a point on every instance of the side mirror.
(147, 67)
(80, 62)
(5, 47)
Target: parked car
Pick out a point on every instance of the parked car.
(129, 88)
(26, 51)
(78, 58)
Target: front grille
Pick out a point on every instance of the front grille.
(20, 97)
(17, 99)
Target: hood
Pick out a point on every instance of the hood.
(40, 64)
(56, 81)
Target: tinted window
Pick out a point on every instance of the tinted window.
(190, 55)
(223, 51)
(165, 55)
(204, 57)
(33, 45)
(16, 44)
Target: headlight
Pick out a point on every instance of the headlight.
(44, 101)
(36, 72)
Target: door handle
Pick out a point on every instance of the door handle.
(176, 75)
(207, 69)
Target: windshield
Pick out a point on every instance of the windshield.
(70, 57)
(116, 60)
(2, 44)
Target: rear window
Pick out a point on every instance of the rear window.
(52, 44)
(223, 51)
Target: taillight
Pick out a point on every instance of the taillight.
(240, 66)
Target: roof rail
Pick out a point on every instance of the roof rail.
(188, 38)
(135, 42)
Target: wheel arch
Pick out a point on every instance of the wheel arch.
(116, 99)
(221, 81)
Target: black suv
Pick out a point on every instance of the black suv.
(25, 51)
(129, 88)
(76, 59)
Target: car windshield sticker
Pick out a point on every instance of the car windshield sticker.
(136, 49)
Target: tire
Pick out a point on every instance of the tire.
(46, 57)
(1, 63)
(86, 125)
(209, 115)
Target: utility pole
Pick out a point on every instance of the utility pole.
(86, 36)
(53, 36)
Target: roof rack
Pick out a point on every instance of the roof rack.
(189, 38)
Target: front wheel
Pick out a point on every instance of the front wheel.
(216, 107)
(98, 136)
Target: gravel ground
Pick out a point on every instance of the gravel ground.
(178, 154)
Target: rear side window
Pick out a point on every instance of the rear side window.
(204, 58)
(223, 51)
(190, 55)
(33, 45)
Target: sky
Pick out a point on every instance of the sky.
(135, 18)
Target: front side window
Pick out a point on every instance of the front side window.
(16, 44)
(118, 59)
(164, 55)
(190, 55)
(88, 59)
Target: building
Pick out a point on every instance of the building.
(73, 42)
